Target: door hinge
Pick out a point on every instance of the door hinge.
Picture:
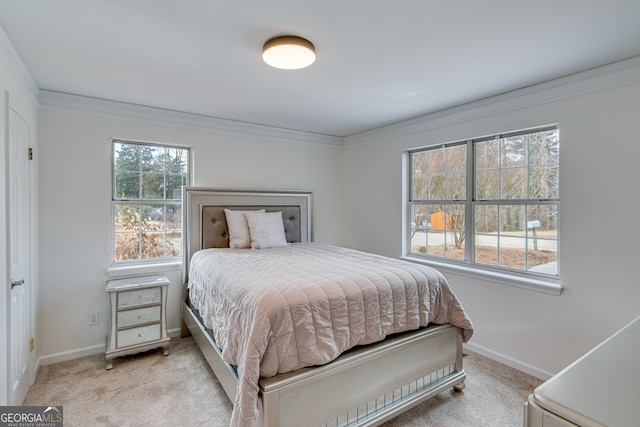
(32, 344)
(30, 153)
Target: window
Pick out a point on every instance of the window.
(490, 203)
(146, 202)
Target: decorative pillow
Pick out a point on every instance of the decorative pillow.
(266, 229)
(239, 237)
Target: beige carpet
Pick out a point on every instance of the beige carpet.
(149, 389)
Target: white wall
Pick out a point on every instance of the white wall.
(75, 206)
(599, 154)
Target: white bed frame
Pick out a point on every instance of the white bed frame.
(365, 386)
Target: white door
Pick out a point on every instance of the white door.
(19, 255)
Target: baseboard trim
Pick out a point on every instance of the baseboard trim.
(70, 355)
(509, 361)
(83, 352)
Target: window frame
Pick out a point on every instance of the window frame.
(549, 283)
(143, 265)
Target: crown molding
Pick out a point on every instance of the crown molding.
(59, 101)
(609, 76)
(11, 59)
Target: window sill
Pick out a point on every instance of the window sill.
(549, 286)
(138, 269)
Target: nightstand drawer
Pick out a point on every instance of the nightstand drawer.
(138, 316)
(139, 335)
(139, 297)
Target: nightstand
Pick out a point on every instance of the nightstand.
(138, 315)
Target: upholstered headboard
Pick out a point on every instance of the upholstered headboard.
(215, 233)
(205, 224)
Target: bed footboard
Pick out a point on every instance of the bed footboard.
(369, 385)
(364, 387)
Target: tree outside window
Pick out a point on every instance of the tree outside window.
(147, 200)
(488, 201)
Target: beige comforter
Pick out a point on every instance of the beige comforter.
(280, 309)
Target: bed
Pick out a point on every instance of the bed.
(353, 345)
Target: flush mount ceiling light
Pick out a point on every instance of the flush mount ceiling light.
(289, 52)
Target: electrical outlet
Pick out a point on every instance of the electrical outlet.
(94, 318)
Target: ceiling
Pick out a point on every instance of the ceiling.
(378, 62)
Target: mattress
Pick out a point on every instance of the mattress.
(280, 309)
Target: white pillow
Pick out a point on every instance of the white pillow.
(266, 229)
(239, 237)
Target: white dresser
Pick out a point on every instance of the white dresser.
(138, 315)
(599, 389)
